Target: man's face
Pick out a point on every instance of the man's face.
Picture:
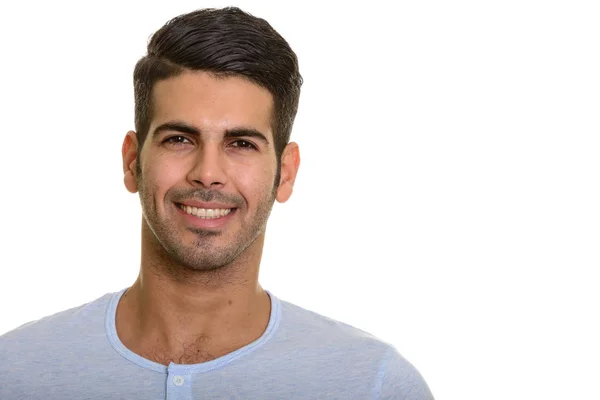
(208, 168)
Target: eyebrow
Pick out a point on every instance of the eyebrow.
(229, 133)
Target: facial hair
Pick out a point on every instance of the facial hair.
(204, 252)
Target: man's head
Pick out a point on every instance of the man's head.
(226, 42)
(215, 100)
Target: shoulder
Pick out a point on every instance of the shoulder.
(346, 348)
(310, 326)
(54, 331)
(399, 379)
(46, 356)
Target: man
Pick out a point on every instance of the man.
(215, 100)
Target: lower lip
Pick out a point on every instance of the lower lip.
(205, 223)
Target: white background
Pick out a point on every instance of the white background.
(448, 197)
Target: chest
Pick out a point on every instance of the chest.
(191, 353)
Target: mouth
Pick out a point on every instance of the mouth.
(205, 213)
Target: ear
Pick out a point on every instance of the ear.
(290, 162)
(129, 153)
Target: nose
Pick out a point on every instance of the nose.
(208, 170)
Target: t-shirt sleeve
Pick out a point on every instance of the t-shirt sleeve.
(400, 380)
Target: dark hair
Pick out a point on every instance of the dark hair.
(225, 42)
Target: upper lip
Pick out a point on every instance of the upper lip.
(207, 205)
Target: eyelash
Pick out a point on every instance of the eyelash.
(170, 140)
(247, 145)
(179, 141)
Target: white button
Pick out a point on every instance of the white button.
(178, 380)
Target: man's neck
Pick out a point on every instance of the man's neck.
(169, 320)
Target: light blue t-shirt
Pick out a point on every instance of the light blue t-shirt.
(76, 354)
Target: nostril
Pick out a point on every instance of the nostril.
(213, 184)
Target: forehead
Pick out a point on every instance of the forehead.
(212, 104)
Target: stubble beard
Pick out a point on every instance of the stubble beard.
(203, 254)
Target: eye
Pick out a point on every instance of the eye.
(243, 144)
(177, 140)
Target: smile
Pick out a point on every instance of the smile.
(205, 213)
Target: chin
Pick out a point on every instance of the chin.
(206, 262)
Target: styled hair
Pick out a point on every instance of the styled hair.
(225, 42)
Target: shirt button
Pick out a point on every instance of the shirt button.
(178, 380)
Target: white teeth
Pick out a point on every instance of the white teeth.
(206, 213)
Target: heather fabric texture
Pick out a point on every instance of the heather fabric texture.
(76, 354)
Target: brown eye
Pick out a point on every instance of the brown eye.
(243, 144)
(177, 140)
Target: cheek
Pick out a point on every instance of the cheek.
(167, 174)
(254, 181)
(161, 174)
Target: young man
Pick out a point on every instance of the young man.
(215, 100)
